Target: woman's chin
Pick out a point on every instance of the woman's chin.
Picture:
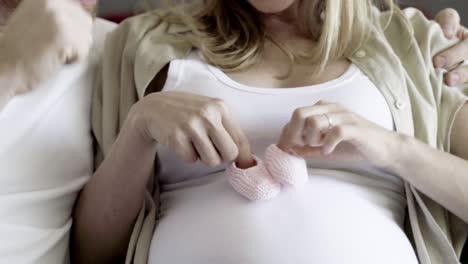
(271, 6)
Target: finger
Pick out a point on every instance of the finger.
(308, 152)
(335, 136)
(286, 140)
(224, 143)
(79, 50)
(205, 148)
(462, 33)
(77, 38)
(293, 132)
(449, 21)
(88, 4)
(183, 147)
(313, 130)
(244, 157)
(317, 125)
(457, 77)
(452, 56)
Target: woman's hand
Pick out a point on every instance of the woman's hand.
(193, 126)
(39, 38)
(449, 20)
(349, 137)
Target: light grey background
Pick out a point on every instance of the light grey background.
(113, 7)
(117, 7)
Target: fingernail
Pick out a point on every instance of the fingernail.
(449, 30)
(453, 79)
(440, 61)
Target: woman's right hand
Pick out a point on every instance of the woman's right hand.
(195, 127)
(40, 37)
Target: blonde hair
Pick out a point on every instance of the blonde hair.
(230, 35)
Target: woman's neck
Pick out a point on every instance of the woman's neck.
(6, 8)
(3, 17)
(288, 24)
(283, 22)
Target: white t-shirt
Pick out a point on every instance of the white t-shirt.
(46, 157)
(346, 213)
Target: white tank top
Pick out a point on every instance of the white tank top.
(347, 213)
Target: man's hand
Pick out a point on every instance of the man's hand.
(39, 38)
(449, 20)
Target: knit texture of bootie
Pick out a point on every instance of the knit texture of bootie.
(254, 183)
(286, 169)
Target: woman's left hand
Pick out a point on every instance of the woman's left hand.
(329, 131)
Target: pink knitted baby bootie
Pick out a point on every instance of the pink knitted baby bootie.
(287, 169)
(254, 183)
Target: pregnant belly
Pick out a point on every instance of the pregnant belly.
(327, 221)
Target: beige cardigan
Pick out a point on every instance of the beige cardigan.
(397, 58)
